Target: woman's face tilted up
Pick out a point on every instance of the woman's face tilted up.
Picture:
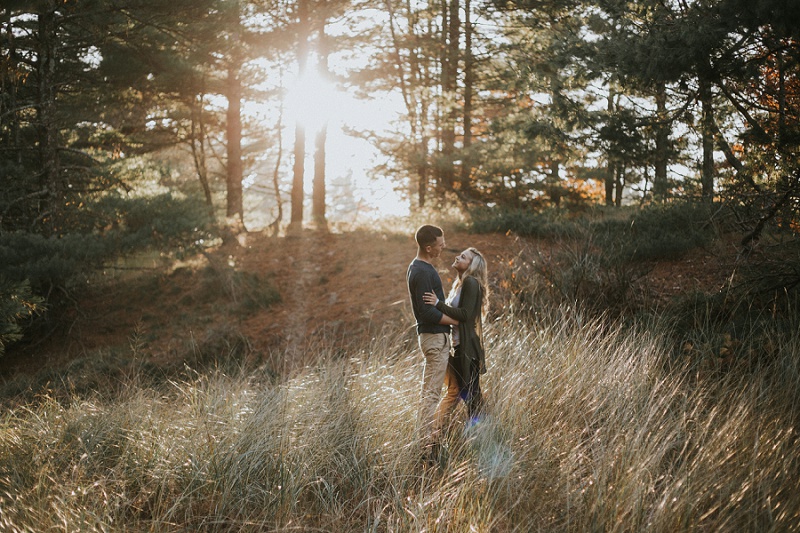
(462, 261)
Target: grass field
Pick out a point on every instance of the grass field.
(590, 427)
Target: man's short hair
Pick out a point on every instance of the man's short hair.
(426, 235)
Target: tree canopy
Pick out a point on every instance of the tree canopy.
(528, 104)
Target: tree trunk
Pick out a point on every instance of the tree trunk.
(318, 195)
(318, 203)
(422, 106)
(275, 225)
(660, 187)
(235, 171)
(197, 143)
(707, 133)
(781, 98)
(46, 109)
(609, 179)
(609, 184)
(451, 29)
(554, 183)
(423, 169)
(298, 174)
(469, 82)
(233, 127)
(8, 87)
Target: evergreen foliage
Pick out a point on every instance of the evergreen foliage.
(39, 268)
(162, 222)
(658, 232)
(596, 262)
(17, 304)
(544, 224)
(662, 232)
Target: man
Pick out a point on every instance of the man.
(433, 328)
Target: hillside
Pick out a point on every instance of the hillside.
(341, 286)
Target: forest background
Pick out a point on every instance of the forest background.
(630, 168)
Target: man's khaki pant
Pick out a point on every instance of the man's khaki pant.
(436, 350)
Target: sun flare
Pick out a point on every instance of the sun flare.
(355, 190)
(312, 100)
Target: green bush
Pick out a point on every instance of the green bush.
(128, 226)
(658, 232)
(51, 261)
(164, 221)
(594, 264)
(38, 268)
(575, 273)
(17, 304)
(548, 224)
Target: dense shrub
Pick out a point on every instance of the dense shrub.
(749, 318)
(574, 273)
(165, 221)
(547, 224)
(658, 232)
(17, 304)
(594, 264)
(128, 226)
(38, 267)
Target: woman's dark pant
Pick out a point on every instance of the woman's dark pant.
(469, 381)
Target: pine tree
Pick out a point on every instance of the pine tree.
(57, 150)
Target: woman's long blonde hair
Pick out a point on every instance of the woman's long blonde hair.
(478, 269)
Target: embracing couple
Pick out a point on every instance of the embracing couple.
(442, 323)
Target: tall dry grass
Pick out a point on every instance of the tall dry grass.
(589, 427)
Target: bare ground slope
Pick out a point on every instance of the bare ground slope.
(341, 288)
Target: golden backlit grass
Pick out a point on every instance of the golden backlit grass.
(588, 428)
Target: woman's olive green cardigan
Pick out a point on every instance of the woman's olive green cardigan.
(470, 326)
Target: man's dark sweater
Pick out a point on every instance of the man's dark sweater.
(422, 278)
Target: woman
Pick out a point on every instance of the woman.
(465, 303)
